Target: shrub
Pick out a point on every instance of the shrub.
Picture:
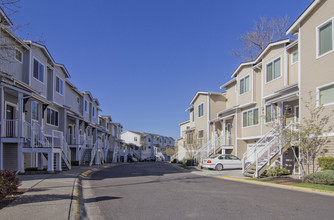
(9, 182)
(326, 163)
(277, 171)
(324, 177)
(190, 162)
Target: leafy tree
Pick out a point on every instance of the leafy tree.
(308, 135)
(265, 31)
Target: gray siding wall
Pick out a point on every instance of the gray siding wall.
(50, 85)
(71, 99)
(59, 98)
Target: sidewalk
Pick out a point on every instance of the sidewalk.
(49, 196)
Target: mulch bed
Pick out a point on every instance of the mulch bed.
(284, 180)
(10, 198)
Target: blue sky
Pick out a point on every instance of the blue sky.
(145, 59)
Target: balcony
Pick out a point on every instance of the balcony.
(11, 128)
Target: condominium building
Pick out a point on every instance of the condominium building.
(146, 146)
(277, 82)
(46, 122)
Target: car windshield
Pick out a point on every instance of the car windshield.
(213, 156)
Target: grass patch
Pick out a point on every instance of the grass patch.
(315, 186)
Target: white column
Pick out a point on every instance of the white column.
(20, 156)
(50, 162)
(58, 161)
(224, 132)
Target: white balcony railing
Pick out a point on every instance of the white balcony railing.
(11, 127)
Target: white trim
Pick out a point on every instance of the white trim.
(249, 138)
(318, 94)
(317, 29)
(272, 61)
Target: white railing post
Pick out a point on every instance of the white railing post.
(256, 168)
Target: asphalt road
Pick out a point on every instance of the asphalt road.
(161, 191)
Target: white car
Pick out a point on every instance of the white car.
(223, 161)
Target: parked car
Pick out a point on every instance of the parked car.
(223, 161)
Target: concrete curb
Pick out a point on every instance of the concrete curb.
(296, 188)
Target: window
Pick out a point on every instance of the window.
(59, 85)
(38, 71)
(200, 134)
(149, 139)
(250, 117)
(325, 38)
(270, 113)
(326, 95)
(18, 55)
(34, 110)
(273, 70)
(135, 139)
(93, 111)
(295, 57)
(201, 110)
(51, 117)
(86, 106)
(78, 100)
(188, 127)
(244, 85)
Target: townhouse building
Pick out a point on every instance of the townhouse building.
(272, 85)
(46, 122)
(196, 133)
(145, 146)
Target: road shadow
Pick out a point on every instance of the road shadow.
(100, 198)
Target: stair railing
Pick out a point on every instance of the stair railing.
(94, 150)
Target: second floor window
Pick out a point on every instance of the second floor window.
(52, 117)
(295, 57)
(273, 70)
(325, 38)
(201, 110)
(38, 72)
(86, 106)
(59, 85)
(93, 111)
(18, 55)
(34, 110)
(250, 117)
(244, 85)
(135, 139)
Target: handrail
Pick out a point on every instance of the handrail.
(94, 150)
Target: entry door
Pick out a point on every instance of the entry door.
(70, 134)
(10, 122)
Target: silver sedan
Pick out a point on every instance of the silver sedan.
(223, 161)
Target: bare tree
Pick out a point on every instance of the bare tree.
(265, 31)
(192, 145)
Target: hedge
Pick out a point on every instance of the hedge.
(324, 177)
(326, 163)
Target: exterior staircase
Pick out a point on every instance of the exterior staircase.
(265, 152)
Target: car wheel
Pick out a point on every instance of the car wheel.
(219, 167)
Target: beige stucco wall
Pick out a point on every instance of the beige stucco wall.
(315, 71)
(201, 123)
(231, 95)
(276, 84)
(293, 67)
(247, 96)
(217, 104)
